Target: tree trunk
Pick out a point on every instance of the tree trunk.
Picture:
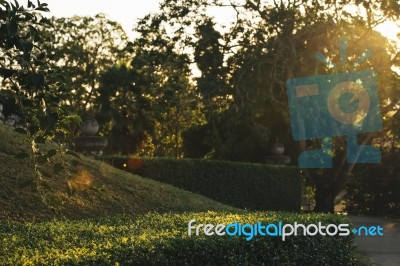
(324, 196)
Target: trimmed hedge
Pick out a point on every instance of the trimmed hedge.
(242, 185)
(162, 239)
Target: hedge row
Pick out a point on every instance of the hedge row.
(162, 239)
(242, 185)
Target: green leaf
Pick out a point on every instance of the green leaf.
(20, 130)
(40, 140)
(16, 4)
(41, 159)
(73, 154)
(66, 129)
(22, 155)
(51, 153)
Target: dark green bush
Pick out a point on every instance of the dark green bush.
(242, 185)
(162, 239)
(375, 189)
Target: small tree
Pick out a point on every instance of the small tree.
(27, 78)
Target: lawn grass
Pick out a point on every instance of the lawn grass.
(113, 191)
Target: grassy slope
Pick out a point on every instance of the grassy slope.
(120, 192)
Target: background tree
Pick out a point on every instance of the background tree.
(214, 92)
(123, 111)
(81, 49)
(155, 96)
(270, 42)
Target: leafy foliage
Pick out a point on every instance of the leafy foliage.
(375, 189)
(155, 239)
(267, 43)
(242, 185)
(28, 81)
(146, 106)
(81, 49)
(124, 112)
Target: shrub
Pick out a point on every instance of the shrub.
(162, 239)
(242, 185)
(375, 189)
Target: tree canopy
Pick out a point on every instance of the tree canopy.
(244, 70)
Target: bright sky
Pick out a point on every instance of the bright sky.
(125, 12)
(128, 12)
